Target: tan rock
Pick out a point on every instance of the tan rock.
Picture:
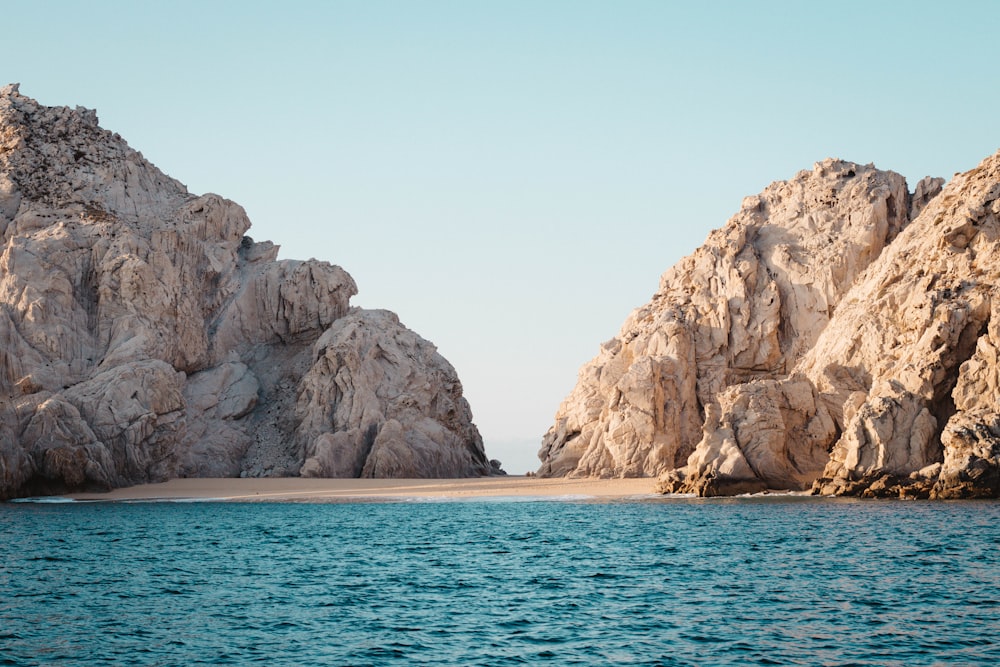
(143, 335)
(902, 375)
(379, 401)
(833, 348)
(971, 437)
(746, 305)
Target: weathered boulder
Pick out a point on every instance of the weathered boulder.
(143, 335)
(392, 400)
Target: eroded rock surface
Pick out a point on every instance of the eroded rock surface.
(143, 335)
(909, 356)
(746, 305)
(865, 365)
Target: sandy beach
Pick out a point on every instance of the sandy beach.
(320, 490)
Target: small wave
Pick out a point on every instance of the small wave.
(44, 500)
(59, 500)
(180, 500)
(776, 494)
(567, 498)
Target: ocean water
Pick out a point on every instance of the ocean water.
(768, 581)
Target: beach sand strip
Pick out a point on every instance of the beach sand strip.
(318, 490)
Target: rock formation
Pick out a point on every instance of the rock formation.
(820, 340)
(746, 305)
(144, 336)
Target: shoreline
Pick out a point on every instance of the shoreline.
(299, 489)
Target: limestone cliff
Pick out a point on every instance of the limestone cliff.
(143, 335)
(820, 340)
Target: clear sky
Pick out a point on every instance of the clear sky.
(512, 177)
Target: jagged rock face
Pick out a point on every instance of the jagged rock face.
(900, 377)
(388, 415)
(143, 335)
(911, 354)
(894, 393)
(747, 305)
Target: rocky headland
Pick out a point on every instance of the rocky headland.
(144, 336)
(836, 335)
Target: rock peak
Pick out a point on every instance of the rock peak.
(60, 156)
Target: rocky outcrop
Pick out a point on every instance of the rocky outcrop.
(392, 400)
(143, 335)
(884, 374)
(746, 305)
(909, 356)
(892, 391)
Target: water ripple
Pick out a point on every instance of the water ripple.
(787, 581)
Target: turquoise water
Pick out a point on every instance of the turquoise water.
(789, 581)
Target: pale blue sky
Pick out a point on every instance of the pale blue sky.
(513, 177)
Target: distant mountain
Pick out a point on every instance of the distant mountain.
(144, 336)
